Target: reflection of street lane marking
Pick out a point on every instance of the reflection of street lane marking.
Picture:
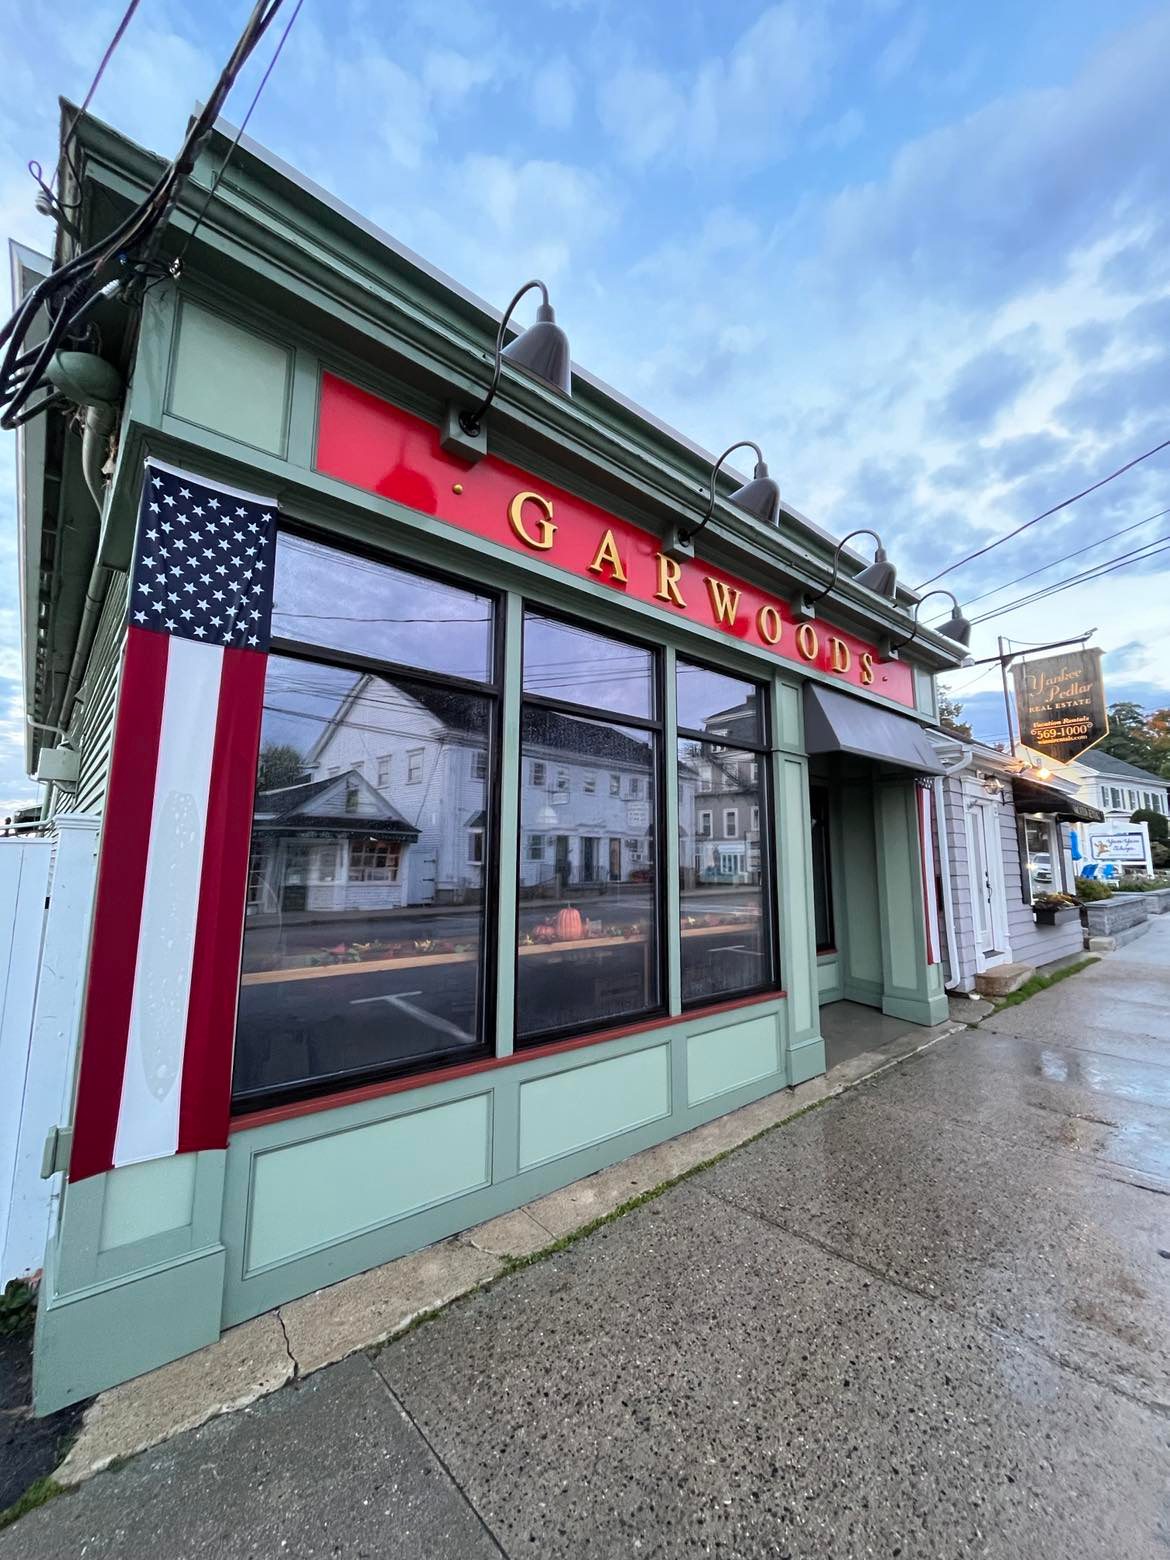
(398, 1000)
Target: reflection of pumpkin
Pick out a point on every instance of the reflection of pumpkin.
(569, 925)
(546, 932)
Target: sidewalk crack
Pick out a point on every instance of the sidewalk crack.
(296, 1369)
(430, 1446)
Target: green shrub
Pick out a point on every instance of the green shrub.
(1158, 823)
(1089, 889)
(18, 1307)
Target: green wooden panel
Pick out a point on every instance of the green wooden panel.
(899, 885)
(828, 974)
(327, 1188)
(725, 1059)
(569, 1110)
(229, 379)
(147, 1199)
(857, 908)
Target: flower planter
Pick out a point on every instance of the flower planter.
(1050, 915)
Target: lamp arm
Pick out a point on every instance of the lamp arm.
(941, 591)
(744, 444)
(469, 421)
(864, 531)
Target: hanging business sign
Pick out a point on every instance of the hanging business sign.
(366, 441)
(1060, 703)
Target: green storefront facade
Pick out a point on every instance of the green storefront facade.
(544, 803)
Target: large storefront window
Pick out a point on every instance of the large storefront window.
(588, 950)
(1041, 858)
(725, 852)
(365, 940)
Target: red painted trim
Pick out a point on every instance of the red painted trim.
(125, 839)
(377, 446)
(205, 1101)
(388, 1086)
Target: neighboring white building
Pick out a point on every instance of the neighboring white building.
(1119, 789)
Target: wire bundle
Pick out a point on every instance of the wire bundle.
(70, 293)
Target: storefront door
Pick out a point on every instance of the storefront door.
(988, 898)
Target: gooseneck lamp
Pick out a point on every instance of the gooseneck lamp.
(759, 497)
(879, 576)
(956, 626)
(542, 349)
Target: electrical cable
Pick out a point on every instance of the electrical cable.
(1008, 535)
(1052, 563)
(1110, 566)
(67, 138)
(73, 288)
(177, 264)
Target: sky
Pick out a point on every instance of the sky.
(919, 252)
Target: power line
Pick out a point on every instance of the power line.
(178, 262)
(1052, 563)
(1007, 537)
(1110, 566)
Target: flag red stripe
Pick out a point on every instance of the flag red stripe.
(126, 829)
(205, 1103)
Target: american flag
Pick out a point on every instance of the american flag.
(158, 1031)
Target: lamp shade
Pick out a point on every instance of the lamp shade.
(957, 628)
(543, 349)
(759, 497)
(879, 576)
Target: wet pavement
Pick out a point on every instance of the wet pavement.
(929, 1319)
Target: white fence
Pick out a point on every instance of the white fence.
(46, 901)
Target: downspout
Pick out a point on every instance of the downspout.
(95, 385)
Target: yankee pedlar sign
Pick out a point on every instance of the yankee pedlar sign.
(1060, 703)
(375, 445)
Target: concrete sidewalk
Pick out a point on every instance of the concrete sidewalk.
(926, 1319)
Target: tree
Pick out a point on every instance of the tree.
(1159, 824)
(1138, 738)
(280, 764)
(949, 711)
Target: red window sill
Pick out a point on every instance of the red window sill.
(388, 1086)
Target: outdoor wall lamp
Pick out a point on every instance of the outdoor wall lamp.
(759, 497)
(956, 626)
(879, 576)
(541, 350)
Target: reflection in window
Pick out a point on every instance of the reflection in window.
(341, 601)
(364, 939)
(574, 665)
(724, 851)
(1041, 866)
(588, 950)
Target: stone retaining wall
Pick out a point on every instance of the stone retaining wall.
(1108, 917)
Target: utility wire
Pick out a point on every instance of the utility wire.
(177, 264)
(1052, 563)
(1008, 535)
(1125, 561)
(67, 138)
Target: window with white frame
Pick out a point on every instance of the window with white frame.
(615, 785)
(414, 766)
(479, 764)
(384, 769)
(705, 824)
(475, 847)
(755, 823)
(589, 786)
(730, 823)
(536, 847)
(537, 772)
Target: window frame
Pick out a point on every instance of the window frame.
(762, 751)
(491, 691)
(598, 716)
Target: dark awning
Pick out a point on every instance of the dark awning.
(1032, 797)
(838, 723)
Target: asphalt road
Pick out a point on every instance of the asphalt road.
(927, 1320)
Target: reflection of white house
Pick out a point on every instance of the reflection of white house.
(331, 844)
(586, 803)
(725, 844)
(422, 753)
(1117, 788)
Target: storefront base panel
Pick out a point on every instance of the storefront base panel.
(928, 1010)
(94, 1338)
(830, 982)
(535, 1126)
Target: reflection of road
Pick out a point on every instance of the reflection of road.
(462, 925)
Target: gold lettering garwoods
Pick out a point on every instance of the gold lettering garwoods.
(530, 516)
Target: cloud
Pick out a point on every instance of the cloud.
(1002, 198)
(986, 386)
(902, 50)
(737, 108)
(553, 98)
